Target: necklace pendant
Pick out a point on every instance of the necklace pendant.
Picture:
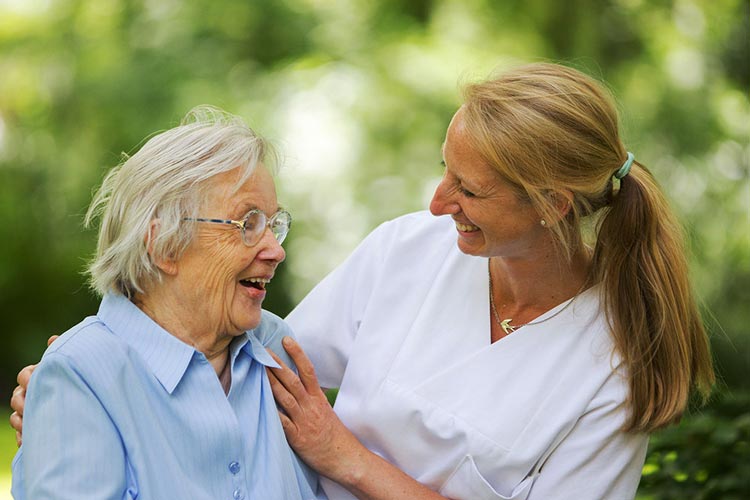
(506, 326)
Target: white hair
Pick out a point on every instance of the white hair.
(164, 180)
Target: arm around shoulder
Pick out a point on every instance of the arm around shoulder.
(71, 447)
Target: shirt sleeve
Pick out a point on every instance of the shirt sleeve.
(595, 460)
(71, 448)
(271, 332)
(328, 318)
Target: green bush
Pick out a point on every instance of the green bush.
(706, 456)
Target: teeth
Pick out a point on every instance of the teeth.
(257, 280)
(466, 227)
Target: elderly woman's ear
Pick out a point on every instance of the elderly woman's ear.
(166, 264)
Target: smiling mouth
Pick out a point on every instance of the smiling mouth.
(257, 283)
(466, 228)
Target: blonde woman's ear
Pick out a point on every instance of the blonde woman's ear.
(562, 201)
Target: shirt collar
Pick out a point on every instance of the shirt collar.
(167, 356)
(256, 350)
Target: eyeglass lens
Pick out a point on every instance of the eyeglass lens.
(256, 223)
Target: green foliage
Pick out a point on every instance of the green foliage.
(331, 395)
(706, 457)
(357, 95)
(7, 452)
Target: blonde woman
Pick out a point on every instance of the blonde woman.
(490, 352)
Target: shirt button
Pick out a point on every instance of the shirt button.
(234, 468)
(237, 494)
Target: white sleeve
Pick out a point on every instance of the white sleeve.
(328, 318)
(595, 460)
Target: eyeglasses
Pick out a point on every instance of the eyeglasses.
(254, 224)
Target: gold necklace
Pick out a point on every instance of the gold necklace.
(505, 323)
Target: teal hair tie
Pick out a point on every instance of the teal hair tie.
(625, 166)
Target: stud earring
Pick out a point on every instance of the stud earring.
(543, 222)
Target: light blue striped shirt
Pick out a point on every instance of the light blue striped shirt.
(120, 409)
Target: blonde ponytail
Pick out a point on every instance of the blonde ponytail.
(640, 261)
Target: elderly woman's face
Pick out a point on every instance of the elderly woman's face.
(222, 279)
(490, 218)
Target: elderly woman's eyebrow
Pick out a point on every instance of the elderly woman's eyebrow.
(245, 207)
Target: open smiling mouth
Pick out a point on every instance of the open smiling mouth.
(466, 228)
(258, 283)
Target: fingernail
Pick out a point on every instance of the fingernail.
(287, 341)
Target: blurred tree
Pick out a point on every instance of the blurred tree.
(358, 95)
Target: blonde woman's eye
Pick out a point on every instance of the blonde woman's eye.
(466, 192)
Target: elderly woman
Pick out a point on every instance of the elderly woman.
(164, 393)
(495, 351)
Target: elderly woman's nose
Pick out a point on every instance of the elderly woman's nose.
(271, 249)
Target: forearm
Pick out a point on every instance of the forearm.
(370, 477)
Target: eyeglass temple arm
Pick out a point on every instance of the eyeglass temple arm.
(237, 223)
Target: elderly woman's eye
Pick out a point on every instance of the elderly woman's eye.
(253, 220)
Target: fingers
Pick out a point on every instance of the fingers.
(16, 422)
(51, 339)
(291, 430)
(285, 400)
(277, 387)
(288, 426)
(278, 360)
(289, 379)
(17, 401)
(25, 375)
(304, 366)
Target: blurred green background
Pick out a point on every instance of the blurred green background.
(357, 95)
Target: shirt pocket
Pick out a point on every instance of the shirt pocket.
(467, 483)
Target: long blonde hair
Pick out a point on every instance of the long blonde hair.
(552, 131)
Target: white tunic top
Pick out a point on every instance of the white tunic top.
(403, 328)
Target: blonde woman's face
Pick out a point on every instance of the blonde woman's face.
(490, 218)
(221, 279)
